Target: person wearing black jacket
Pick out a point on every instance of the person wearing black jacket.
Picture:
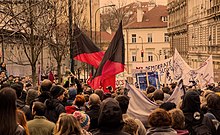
(54, 105)
(94, 107)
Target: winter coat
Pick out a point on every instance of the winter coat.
(54, 109)
(40, 126)
(193, 114)
(110, 120)
(166, 130)
(93, 115)
(25, 108)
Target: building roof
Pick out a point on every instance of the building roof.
(151, 19)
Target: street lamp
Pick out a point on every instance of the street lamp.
(113, 5)
(142, 49)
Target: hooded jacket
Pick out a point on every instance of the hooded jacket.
(192, 112)
(110, 119)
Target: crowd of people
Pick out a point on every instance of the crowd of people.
(75, 108)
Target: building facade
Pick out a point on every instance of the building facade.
(146, 38)
(200, 31)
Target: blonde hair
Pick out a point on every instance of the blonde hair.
(67, 124)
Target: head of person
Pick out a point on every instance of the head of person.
(100, 93)
(38, 109)
(83, 119)
(72, 93)
(110, 115)
(123, 103)
(213, 101)
(31, 96)
(178, 119)
(79, 101)
(18, 87)
(57, 92)
(150, 89)
(46, 85)
(67, 124)
(159, 118)
(158, 95)
(191, 102)
(94, 99)
(166, 90)
(168, 106)
(130, 126)
(8, 111)
(21, 119)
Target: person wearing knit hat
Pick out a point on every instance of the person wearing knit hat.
(54, 105)
(83, 119)
(57, 91)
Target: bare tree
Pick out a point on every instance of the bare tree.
(58, 44)
(30, 21)
(111, 17)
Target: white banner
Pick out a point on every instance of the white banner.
(202, 75)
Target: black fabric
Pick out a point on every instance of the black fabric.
(115, 51)
(82, 43)
(193, 114)
(110, 118)
(56, 91)
(93, 115)
(191, 102)
(54, 109)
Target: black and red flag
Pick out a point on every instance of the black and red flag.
(112, 62)
(85, 50)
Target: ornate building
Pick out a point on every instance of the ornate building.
(194, 28)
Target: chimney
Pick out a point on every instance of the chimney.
(151, 4)
(139, 12)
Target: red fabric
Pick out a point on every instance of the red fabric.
(71, 109)
(93, 59)
(111, 68)
(51, 77)
(110, 81)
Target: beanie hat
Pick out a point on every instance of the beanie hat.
(83, 119)
(56, 91)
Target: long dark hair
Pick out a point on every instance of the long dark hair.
(8, 111)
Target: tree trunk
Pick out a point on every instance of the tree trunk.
(34, 74)
(59, 72)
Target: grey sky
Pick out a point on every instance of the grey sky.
(106, 2)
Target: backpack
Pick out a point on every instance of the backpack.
(201, 129)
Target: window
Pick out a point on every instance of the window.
(150, 56)
(166, 37)
(164, 18)
(134, 57)
(149, 37)
(133, 38)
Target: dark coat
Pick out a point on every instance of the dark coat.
(93, 115)
(193, 114)
(54, 109)
(110, 120)
(25, 108)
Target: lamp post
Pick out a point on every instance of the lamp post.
(142, 49)
(95, 17)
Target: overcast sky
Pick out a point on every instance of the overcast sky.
(106, 2)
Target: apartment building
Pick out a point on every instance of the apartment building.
(146, 38)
